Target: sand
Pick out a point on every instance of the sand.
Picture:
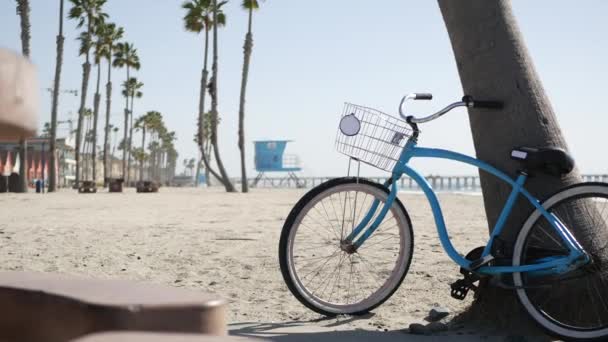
(227, 244)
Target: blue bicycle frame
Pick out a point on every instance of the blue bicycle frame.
(555, 264)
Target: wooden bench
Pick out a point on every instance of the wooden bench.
(87, 187)
(147, 186)
(50, 307)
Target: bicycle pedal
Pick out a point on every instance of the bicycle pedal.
(459, 289)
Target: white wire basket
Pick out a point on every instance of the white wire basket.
(370, 136)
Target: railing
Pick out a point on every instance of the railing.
(439, 183)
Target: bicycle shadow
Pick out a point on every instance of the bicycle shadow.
(300, 331)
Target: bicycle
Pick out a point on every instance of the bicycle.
(347, 245)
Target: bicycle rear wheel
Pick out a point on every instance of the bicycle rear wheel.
(572, 305)
(324, 275)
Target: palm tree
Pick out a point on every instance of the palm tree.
(131, 88)
(140, 155)
(55, 104)
(172, 157)
(206, 146)
(143, 123)
(199, 17)
(115, 140)
(100, 51)
(126, 56)
(167, 145)
(110, 35)
(87, 120)
(185, 163)
(155, 125)
(46, 130)
(214, 110)
(23, 11)
(503, 69)
(88, 14)
(160, 132)
(190, 166)
(249, 6)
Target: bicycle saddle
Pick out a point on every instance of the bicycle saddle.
(548, 160)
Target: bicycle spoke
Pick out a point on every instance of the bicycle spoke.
(322, 265)
(357, 221)
(329, 221)
(324, 281)
(602, 301)
(369, 270)
(377, 243)
(337, 282)
(317, 224)
(331, 201)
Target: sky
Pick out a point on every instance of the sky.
(310, 57)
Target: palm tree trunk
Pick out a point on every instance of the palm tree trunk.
(493, 63)
(85, 148)
(201, 111)
(159, 161)
(203, 91)
(106, 137)
(214, 111)
(208, 149)
(247, 49)
(86, 70)
(126, 128)
(130, 141)
(161, 167)
(143, 148)
(55, 104)
(198, 171)
(96, 102)
(23, 10)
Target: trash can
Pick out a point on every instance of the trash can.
(38, 186)
(115, 185)
(3, 184)
(13, 182)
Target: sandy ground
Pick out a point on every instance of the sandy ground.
(227, 244)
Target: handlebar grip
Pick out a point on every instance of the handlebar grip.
(423, 96)
(488, 104)
(470, 102)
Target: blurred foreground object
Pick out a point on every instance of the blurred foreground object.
(19, 96)
(47, 307)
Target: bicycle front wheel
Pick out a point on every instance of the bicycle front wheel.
(573, 305)
(324, 274)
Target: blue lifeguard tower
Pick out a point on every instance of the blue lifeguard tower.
(270, 157)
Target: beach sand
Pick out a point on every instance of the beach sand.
(227, 244)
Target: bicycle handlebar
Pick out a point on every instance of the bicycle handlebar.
(467, 101)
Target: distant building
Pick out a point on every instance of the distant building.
(38, 160)
(38, 164)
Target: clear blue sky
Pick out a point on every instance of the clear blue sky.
(311, 56)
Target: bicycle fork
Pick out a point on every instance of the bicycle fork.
(360, 233)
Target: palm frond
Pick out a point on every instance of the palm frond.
(221, 19)
(250, 4)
